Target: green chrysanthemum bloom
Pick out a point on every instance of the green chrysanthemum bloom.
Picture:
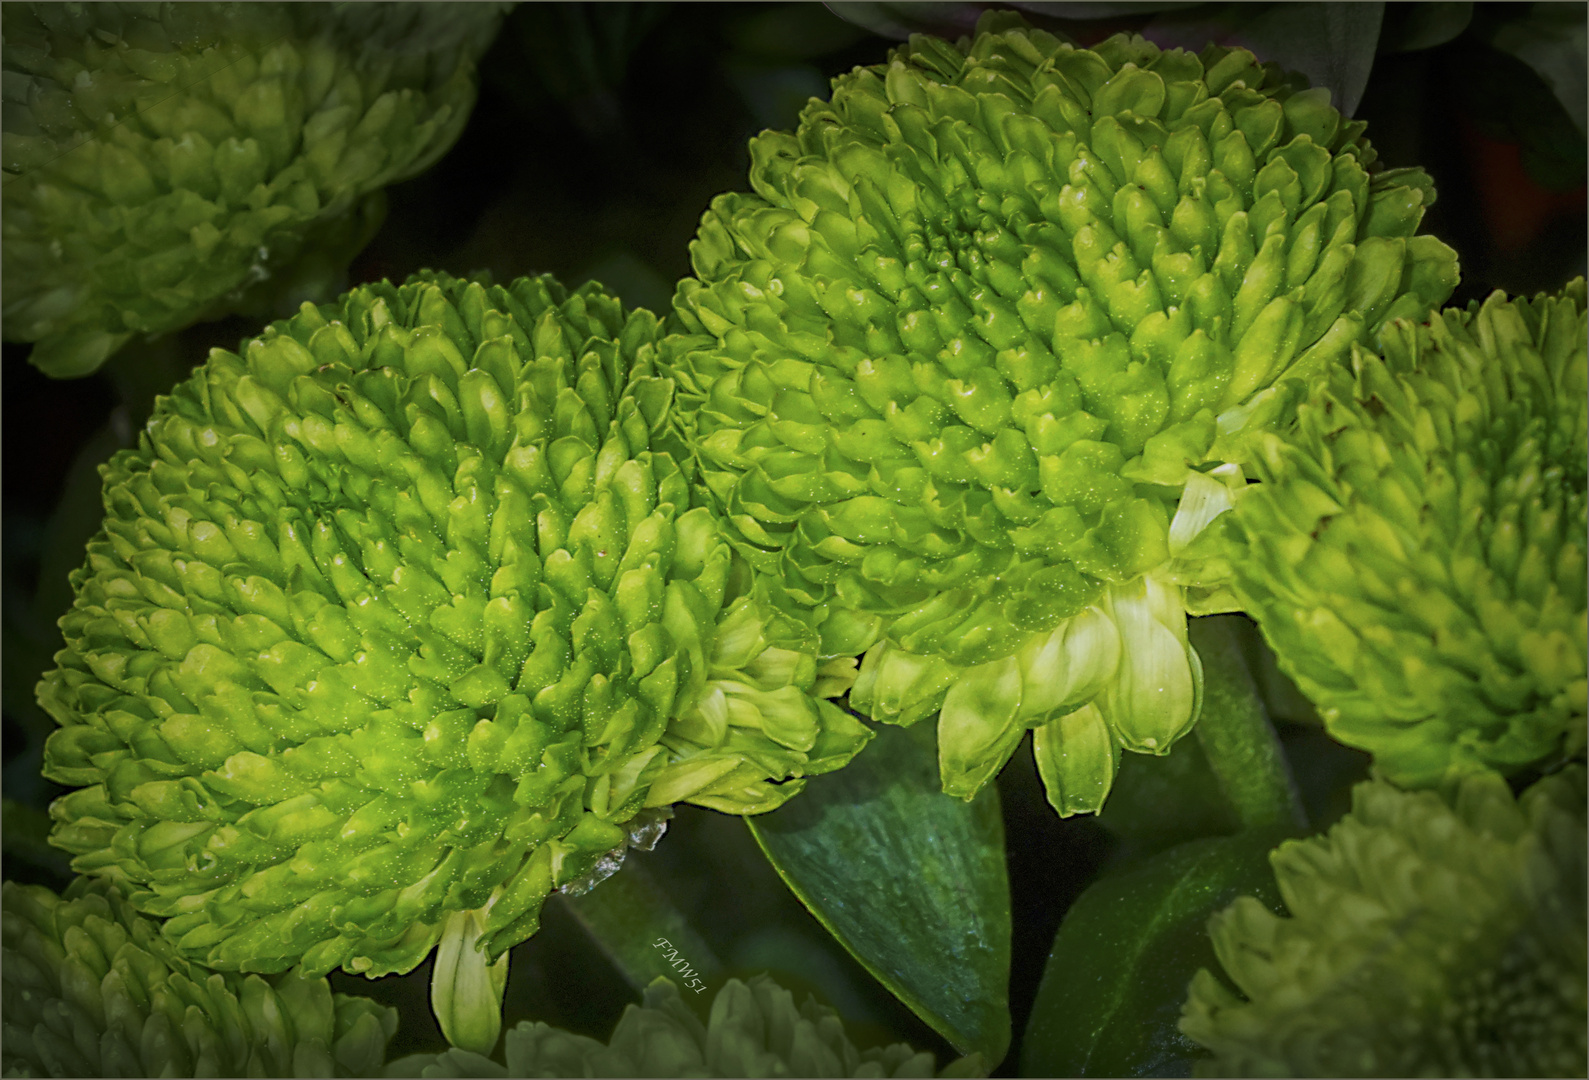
(397, 621)
(976, 360)
(754, 1030)
(1416, 554)
(1424, 940)
(171, 162)
(92, 989)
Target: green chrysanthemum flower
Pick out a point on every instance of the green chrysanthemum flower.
(1424, 940)
(754, 1030)
(92, 989)
(398, 620)
(171, 162)
(975, 359)
(1416, 554)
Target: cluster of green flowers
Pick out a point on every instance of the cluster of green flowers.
(404, 611)
(93, 989)
(1425, 938)
(977, 363)
(409, 611)
(170, 162)
(754, 1030)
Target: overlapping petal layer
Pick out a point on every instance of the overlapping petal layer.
(754, 1030)
(966, 366)
(166, 163)
(1416, 553)
(92, 989)
(404, 611)
(1424, 939)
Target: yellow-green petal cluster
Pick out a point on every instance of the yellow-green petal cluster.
(754, 1030)
(976, 362)
(92, 989)
(405, 611)
(1416, 553)
(1425, 938)
(170, 162)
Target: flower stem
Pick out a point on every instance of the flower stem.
(1235, 733)
(635, 922)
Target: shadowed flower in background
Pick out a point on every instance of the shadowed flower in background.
(1424, 938)
(167, 163)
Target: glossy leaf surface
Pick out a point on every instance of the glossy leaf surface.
(1111, 995)
(911, 881)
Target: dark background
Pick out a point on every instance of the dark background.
(600, 135)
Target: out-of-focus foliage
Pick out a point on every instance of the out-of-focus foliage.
(967, 370)
(92, 989)
(1424, 938)
(169, 162)
(754, 1030)
(1415, 554)
(404, 612)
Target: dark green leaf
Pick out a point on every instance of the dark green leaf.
(1159, 802)
(1549, 38)
(911, 881)
(1111, 995)
(1411, 27)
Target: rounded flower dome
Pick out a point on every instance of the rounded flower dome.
(399, 617)
(1424, 939)
(172, 162)
(977, 362)
(1416, 552)
(92, 989)
(754, 1030)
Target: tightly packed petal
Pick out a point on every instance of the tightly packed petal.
(975, 360)
(166, 163)
(1416, 553)
(92, 989)
(1424, 939)
(405, 611)
(754, 1030)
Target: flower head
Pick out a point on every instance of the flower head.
(404, 611)
(167, 163)
(1416, 553)
(754, 1030)
(1424, 939)
(974, 361)
(92, 989)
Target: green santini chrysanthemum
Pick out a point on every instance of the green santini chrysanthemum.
(399, 617)
(754, 1030)
(979, 359)
(171, 162)
(1416, 552)
(92, 989)
(1424, 939)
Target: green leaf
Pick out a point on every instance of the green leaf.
(1112, 992)
(911, 881)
